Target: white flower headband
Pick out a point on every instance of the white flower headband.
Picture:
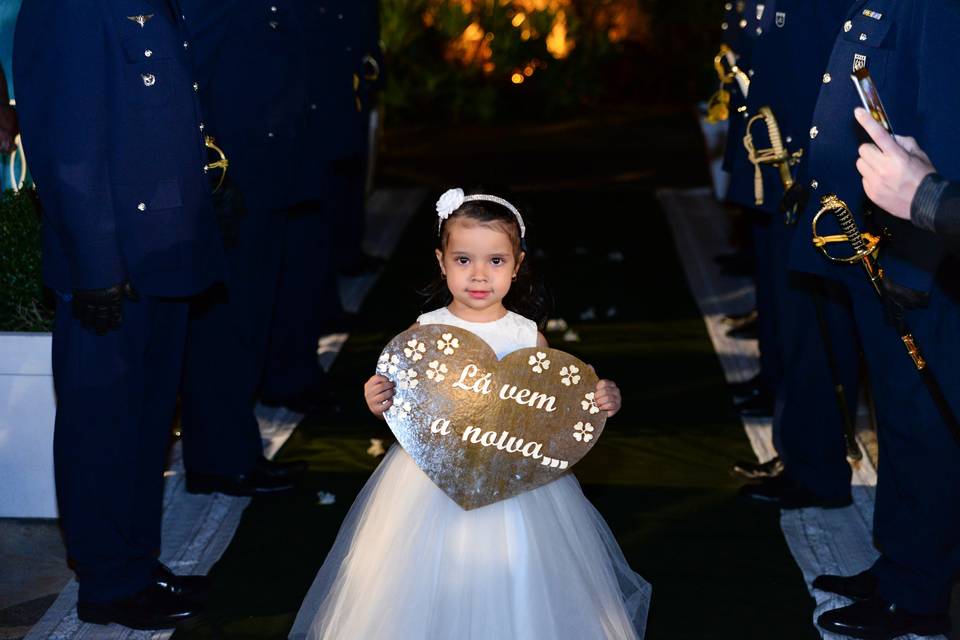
(451, 200)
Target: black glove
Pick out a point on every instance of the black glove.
(229, 207)
(897, 299)
(101, 310)
(794, 201)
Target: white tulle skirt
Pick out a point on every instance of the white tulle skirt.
(409, 564)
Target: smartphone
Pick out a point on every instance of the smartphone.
(870, 97)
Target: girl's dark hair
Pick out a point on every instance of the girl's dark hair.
(528, 295)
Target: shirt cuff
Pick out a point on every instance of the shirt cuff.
(923, 209)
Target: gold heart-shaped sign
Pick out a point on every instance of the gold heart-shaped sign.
(485, 429)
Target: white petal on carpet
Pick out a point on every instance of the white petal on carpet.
(837, 541)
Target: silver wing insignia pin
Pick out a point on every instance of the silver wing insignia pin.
(140, 20)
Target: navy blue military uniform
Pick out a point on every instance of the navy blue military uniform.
(793, 43)
(250, 62)
(745, 28)
(324, 232)
(112, 129)
(909, 50)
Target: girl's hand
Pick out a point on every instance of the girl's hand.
(608, 397)
(378, 392)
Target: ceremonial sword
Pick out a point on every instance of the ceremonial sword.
(864, 251)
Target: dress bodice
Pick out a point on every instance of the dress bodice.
(509, 333)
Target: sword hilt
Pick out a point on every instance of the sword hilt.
(223, 163)
(777, 155)
(864, 244)
(731, 72)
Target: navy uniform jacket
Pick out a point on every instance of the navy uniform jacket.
(740, 40)
(111, 126)
(789, 55)
(338, 35)
(909, 48)
(251, 62)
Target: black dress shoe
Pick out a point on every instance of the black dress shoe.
(862, 586)
(875, 619)
(772, 468)
(152, 608)
(256, 482)
(193, 588)
(781, 492)
(747, 331)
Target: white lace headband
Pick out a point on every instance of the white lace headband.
(451, 200)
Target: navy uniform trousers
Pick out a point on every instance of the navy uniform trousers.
(917, 517)
(227, 340)
(307, 301)
(766, 281)
(110, 441)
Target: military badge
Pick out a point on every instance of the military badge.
(140, 20)
(859, 61)
(760, 10)
(781, 18)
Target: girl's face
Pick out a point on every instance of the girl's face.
(479, 265)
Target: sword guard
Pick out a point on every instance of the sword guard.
(734, 72)
(223, 163)
(864, 245)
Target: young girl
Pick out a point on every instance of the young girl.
(410, 564)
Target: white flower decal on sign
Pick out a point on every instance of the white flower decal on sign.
(570, 375)
(407, 379)
(437, 371)
(448, 344)
(415, 350)
(392, 367)
(402, 410)
(583, 432)
(590, 403)
(384, 363)
(539, 362)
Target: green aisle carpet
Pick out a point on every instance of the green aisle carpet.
(659, 475)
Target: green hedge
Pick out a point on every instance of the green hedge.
(23, 302)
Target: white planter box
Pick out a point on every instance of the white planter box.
(27, 409)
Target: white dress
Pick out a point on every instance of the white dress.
(410, 564)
